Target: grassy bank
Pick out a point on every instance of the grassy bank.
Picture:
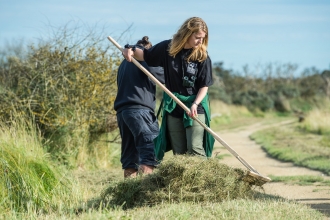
(305, 144)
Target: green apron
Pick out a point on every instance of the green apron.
(161, 145)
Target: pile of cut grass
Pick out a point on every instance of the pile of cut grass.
(180, 179)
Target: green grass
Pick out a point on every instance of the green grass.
(227, 117)
(302, 180)
(28, 179)
(267, 209)
(35, 187)
(291, 144)
(225, 122)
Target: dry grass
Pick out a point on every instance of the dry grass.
(318, 121)
(220, 108)
(180, 179)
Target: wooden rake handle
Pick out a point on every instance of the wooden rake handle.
(232, 151)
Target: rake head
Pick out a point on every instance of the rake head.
(255, 179)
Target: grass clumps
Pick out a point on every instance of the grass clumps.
(318, 121)
(180, 179)
(27, 179)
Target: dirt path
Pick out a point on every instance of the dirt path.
(318, 197)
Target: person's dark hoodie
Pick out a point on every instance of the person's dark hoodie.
(135, 89)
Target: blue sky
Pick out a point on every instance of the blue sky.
(253, 32)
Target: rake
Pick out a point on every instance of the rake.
(252, 176)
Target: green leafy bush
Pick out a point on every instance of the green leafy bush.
(254, 100)
(67, 84)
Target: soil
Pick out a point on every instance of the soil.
(315, 196)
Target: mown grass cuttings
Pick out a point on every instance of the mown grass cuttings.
(28, 180)
(290, 144)
(180, 179)
(302, 180)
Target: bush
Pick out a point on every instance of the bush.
(67, 83)
(253, 100)
(282, 104)
(218, 93)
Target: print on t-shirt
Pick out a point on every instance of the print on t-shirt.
(192, 68)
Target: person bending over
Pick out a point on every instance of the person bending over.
(138, 125)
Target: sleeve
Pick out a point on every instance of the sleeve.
(158, 73)
(204, 77)
(155, 56)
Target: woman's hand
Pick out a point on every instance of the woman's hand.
(128, 54)
(199, 97)
(193, 110)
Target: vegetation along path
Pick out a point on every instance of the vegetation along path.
(317, 197)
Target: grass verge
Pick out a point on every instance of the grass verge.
(303, 180)
(291, 144)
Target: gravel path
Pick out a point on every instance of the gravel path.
(317, 197)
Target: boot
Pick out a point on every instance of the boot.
(130, 172)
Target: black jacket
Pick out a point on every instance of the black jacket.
(135, 89)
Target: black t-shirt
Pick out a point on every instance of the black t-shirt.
(197, 74)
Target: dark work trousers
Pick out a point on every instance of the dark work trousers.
(138, 128)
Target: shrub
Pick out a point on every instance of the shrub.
(253, 100)
(67, 84)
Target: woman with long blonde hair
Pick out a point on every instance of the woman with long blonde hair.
(188, 74)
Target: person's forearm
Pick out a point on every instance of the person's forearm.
(199, 97)
(137, 54)
(201, 94)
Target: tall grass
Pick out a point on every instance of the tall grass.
(318, 120)
(222, 109)
(224, 115)
(28, 179)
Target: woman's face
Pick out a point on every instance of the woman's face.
(195, 40)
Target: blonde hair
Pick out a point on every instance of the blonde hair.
(190, 26)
